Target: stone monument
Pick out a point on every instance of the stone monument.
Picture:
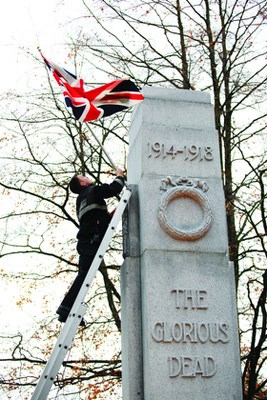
(179, 318)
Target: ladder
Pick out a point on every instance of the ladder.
(77, 312)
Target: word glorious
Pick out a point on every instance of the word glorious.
(190, 332)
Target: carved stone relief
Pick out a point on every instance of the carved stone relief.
(180, 188)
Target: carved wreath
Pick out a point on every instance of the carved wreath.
(185, 188)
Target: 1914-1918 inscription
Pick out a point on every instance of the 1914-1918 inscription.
(187, 152)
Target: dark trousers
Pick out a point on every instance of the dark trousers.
(85, 262)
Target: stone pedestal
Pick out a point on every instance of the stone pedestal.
(179, 319)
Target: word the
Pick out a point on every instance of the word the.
(189, 153)
(190, 332)
(190, 298)
(191, 367)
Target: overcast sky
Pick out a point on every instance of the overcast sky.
(28, 24)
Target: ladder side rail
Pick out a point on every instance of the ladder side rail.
(69, 329)
(62, 346)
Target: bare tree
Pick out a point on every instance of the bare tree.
(44, 147)
(213, 46)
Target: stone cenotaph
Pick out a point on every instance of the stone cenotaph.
(179, 318)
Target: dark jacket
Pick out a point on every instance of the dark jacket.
(93, 215)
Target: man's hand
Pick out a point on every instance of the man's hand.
(119, 172)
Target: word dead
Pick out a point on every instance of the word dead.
(191, 367)
(190, 332)
(190, 153)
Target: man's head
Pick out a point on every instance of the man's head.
(78, 182)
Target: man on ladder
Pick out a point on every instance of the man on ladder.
(66, 337)
(94, 219)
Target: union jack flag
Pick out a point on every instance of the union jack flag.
(96, 103)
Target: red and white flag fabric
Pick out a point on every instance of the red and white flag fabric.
(90, 105)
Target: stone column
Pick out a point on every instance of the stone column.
(180, 333)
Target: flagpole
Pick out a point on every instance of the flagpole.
(102, 147)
